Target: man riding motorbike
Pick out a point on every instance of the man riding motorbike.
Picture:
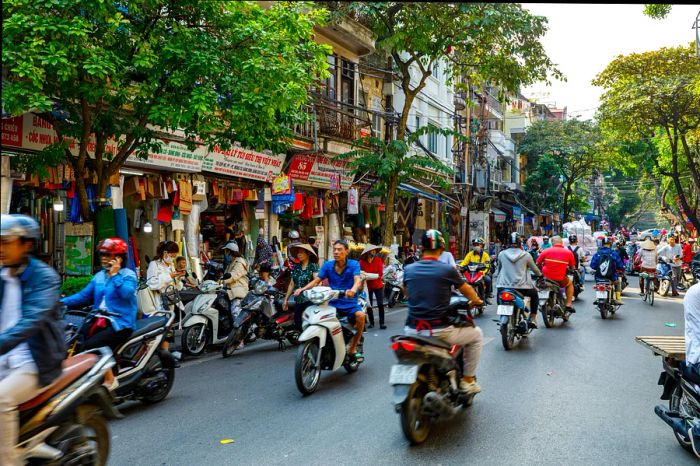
(429, 285)
(554, 263)
(31, 336)
(343, 274)
(608, 255)
(514, 265)
(477, 254)
(673, 253)
(579, 256)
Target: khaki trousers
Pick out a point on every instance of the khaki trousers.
(21, 385)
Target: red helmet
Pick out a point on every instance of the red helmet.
(112, 246)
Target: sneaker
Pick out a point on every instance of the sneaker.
(642, 293)
(676, 294)
(114, 385)
(532, 324)
(383, 327)
(570, 310)
(370, 326)
(488, 301)
(469, 388)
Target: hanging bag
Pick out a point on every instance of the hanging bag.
(146, 300)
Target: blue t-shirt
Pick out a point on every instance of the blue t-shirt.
(344, 281)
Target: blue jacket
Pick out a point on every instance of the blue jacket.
(40, 325)
(119, 292)
(619, 265)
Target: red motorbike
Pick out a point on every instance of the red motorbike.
(474, 273)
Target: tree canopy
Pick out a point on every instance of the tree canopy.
(218, 71)
(657, 10)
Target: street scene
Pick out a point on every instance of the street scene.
(267, 232)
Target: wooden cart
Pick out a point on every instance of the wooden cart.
(671, 347)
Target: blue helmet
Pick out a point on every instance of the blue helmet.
(19, 225)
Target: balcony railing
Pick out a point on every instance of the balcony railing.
(307, 129)
(336, 120)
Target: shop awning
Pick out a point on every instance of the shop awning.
(408, 188)
(498, 215)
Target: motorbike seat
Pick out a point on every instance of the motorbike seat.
(433, 341)
(73, 368)
(144, 326)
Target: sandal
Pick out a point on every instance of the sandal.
(358, 357)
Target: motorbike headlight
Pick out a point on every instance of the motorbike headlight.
(255, 305)
(260, 287)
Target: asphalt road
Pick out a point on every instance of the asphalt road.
(579, 394)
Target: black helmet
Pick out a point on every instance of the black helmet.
(573, 239)
(432, 239)
(515, 239)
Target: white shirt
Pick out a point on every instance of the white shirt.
(447, 258)
(691, 309)
(10, 314)
(670, 252)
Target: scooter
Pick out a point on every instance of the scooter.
(575, 278)
(146, 373)
(474, 274)
(513, 312)
(426, 378)
(260, 318)
(323, 341)
(66, 423)
(552, 303)
(393, 281)
(664, 276)
(604, 298)
(208, 320)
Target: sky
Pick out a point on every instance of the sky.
(583, 38)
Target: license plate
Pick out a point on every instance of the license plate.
(504, 310)
(543, 294)
(601, 294)
(403, 374)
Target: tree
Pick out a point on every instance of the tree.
(542, 185)
(218, 71)
(498, 43)
(573, 151)
(653, 97)
(657, 10)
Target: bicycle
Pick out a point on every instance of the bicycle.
(648, 287)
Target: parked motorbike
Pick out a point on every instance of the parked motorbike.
(324, 340)
(66, 423)
(683, 412)
(552, 302)
(393, 282)
(426, 379)
(664, 275)
(513, 311)
(208, 319)
(474, 274)
(145, 371)
(261, 318)
(605, 298)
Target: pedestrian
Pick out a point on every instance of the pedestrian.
(649, 260)
(264, 256)
(229, 232)
(241, 241)
(181, 266)
(370, 263)
(688, 250)
(302, 273)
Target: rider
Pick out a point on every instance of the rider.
(673, 254)
(514, 265)
(649, 260)
(546, 244)
(343, 274)
(477, 254)
(606, 262)
(554, 263)
(429, 285)
(31, 337)
(579, 256)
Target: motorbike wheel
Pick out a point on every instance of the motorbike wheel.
(603, 308)
(651, 295)
(663, 287)
(160, 395)
(676, 403)
(548, 314)
(191, 344)
(306, 373)
(415, 425)
(233, 340)
(95, 432)
(508, 335)
(392, 300)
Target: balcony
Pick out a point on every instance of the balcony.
(332, 119)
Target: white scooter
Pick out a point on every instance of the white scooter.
(324, 339)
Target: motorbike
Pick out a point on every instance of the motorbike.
(623, 280)
(323, 341)
(474, 274)
(426, 379)
(208, 320)
(393, 281)
(66, 423)
(631, 252)
(261, 317)
(214, 271)
(664, 276)
(145, 373)
(513, 312)
(575, 278)
(552, 302)
(605, 298)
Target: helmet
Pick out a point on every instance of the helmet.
(432, 239)
(293, 234)
(231, 246)
(515, 239)
(112, 246)
(476, 241)
(19, 225)
(545, 238)
(573, 239)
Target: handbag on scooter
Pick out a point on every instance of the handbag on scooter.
(146, 300)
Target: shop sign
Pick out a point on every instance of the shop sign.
(316, 169)
(517, 211)
(33, 133)
(244, 163)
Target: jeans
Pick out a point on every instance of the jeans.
(108, 337)
(20, 386)
(379, 294)
(675, 278)
(299, 309)
(489, 285)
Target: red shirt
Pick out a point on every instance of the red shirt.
(687, 253)
(556, 259)
(376, 266)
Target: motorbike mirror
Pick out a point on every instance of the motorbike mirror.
(226, 276)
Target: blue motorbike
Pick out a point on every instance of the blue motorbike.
(513, 314)
(663, 276)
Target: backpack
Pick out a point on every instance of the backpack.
(606, 266)
(575, 251)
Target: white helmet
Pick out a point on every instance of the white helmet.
(232, 246)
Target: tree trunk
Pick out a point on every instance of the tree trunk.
(692, 216)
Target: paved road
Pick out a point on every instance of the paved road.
(579, 394)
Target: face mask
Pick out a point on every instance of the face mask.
(168, 259)
(477, 248)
